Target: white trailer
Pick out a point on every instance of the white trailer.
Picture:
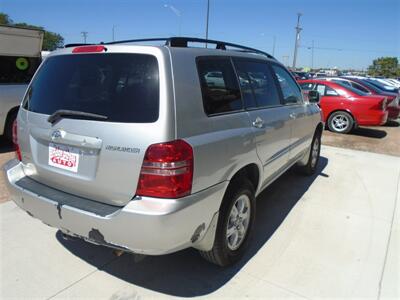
(20, 55)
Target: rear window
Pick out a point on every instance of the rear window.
(123, 87)
(219, 86)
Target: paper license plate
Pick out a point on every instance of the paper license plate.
(64, 157)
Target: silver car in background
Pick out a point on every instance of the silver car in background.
(154, 149)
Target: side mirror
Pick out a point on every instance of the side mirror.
(313, 96)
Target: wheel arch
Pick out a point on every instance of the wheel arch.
(250, 171)
(11, 112)
(319, 129)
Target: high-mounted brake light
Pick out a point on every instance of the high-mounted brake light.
(15, 140)
(167, 170)
(89, 49)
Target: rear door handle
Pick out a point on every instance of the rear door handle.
(258, 122)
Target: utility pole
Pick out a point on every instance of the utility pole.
(84, 34)
(273, 46)
(113, 33)
(208, 18)
(296, 45)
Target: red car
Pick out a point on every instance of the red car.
(344, 107)
(392, 98)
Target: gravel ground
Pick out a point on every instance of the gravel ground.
(5, 154)
(379, 139)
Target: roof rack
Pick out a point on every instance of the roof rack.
(183, 42)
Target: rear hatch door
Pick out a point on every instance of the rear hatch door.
(110, 114)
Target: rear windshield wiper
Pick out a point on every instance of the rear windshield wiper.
(62, 113)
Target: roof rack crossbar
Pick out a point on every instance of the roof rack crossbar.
(139, 40)
(219, 44)
(183, 42)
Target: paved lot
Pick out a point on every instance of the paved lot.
(378, 139)
(331, 236)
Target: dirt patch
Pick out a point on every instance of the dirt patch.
(379, 139)
(6, 153)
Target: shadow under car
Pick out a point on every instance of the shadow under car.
(185, 273)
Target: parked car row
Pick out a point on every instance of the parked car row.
(348, 102)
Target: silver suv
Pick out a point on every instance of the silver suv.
(153, 149)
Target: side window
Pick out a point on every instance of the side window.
(324, 90)
(257, 84)
(219, 85)
(343, 82)
(307, 86)
(290, 90)
(359, 87)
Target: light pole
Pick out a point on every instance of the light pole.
(296, 45)
(207, 19)
(177, 13)
(84, 34)
(273, 46)
(113, 33)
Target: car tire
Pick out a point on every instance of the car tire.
(313, 157)
(340, 122)
(233, 234)
(9, 125)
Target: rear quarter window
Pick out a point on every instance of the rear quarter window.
(257, 84)
(123, 87)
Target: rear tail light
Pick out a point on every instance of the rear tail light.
(384, 104)
(167, 170)
(394, 102)
(15, 140)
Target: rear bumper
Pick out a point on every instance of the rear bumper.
(145, 225)
(373, 118)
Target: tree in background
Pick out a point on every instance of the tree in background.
(385, 66)
(51, 40)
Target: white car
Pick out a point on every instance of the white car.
(393, 82)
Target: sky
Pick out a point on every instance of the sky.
(346, 33)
